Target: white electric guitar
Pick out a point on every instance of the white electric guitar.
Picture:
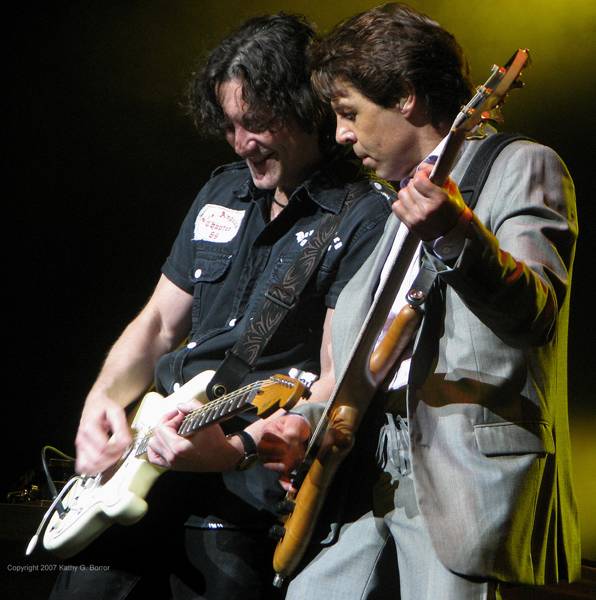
(92, 504)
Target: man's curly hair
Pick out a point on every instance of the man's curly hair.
(269, 55)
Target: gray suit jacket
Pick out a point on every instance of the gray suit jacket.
(488, 422)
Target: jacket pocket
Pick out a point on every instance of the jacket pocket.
(502, 439)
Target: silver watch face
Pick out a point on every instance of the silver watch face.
(246, 462)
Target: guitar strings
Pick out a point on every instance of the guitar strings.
(141, 441)
(214, 404)
(231, 396)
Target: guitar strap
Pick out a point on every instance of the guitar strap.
(278, 301)
(470, 188)
(477, 172)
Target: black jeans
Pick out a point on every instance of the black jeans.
(228, 557)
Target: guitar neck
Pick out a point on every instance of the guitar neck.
(358, 372)
(210, 413)
(448, 156)
(219, 409)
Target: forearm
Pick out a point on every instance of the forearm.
(513, 299)
(128, 369)
(161, 325)
(103, 431)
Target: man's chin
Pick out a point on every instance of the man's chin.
(264, 181)
(385, 172)
(373, 165)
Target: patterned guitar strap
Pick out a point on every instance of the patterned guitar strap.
(278, 301)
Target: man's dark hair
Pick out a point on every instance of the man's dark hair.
(390, 51)
(269, 55)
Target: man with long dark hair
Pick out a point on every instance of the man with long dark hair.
(247, 227)
(470, 485)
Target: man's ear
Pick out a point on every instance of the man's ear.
(406, 104)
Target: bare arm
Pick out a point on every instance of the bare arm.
(103, 432)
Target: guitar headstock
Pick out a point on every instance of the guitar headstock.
(483, 106)
(279, 391)
(491, 95)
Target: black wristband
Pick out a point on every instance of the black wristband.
(250, 450)
(248, 442)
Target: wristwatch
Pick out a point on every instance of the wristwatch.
(250, 450)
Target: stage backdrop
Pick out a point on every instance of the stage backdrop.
(104, 164)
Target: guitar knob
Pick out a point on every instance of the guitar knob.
(276, 532)
(285, 506)
(218, 390)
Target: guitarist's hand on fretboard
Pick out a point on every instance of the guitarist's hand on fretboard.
(207, 450)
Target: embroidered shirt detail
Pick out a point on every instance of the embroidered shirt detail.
(302, 236)
(336, 244)
(217, 224)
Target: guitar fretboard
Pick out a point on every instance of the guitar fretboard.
(216, 410)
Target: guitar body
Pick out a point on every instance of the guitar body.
(300, 524)
(117, 495)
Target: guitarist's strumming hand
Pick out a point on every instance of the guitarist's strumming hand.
(429, 211)
(208, 450)
(102, 437)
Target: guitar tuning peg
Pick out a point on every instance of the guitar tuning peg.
(495, 115)
(305, 377)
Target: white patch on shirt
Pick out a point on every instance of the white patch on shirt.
(302, 236)
(336, 244)
(217, 224)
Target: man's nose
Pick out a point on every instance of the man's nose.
(244, 141)
(344, 134)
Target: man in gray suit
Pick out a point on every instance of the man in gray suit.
(472, 478)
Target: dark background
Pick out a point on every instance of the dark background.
(103, 164)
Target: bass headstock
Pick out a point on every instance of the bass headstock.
(492, 93)
(483, 106)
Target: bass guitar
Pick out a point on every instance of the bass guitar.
(367, 368)
(91, 504)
